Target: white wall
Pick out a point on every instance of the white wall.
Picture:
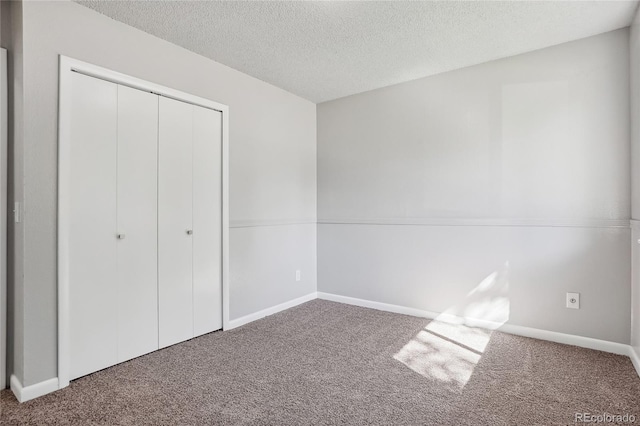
(11, 34)
(634, 51)
(275, 252)
(428, 187)
(272, 165)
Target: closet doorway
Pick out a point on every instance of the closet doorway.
(142, 218)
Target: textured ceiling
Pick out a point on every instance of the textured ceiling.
(323, 50)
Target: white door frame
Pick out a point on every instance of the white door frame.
(68, 66)
(4, 305)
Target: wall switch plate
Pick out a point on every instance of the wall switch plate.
(573, 300)
(17, 212)
(298, 275)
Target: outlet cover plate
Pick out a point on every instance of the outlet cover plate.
(573, 300)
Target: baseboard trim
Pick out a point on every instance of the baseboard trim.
(270, 311)
(377, 305)
(27, 393)
(635, 358)
(567, 339)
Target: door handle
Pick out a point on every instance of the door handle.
(189, 231)
(120, 236)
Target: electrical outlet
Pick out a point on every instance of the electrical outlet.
(573, 300)
(298, 275)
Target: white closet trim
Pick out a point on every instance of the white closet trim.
(67, 67)
(3, 217)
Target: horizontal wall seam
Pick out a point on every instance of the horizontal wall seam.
(274, 222)
(543, 223)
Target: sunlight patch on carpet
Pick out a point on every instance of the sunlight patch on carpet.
(450, 346)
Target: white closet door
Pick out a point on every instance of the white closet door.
(207, 211)
(175, 222)
(92, 221)
(137, 223)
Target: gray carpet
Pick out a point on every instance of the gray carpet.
(328, 363)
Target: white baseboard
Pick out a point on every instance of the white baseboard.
(27, 393)
(567, 339)
(377, 305)
(635, 358)
(270, 311)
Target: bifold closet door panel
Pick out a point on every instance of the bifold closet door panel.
(92, 226)
(137, 223)
(207, 217)
(175, 221)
